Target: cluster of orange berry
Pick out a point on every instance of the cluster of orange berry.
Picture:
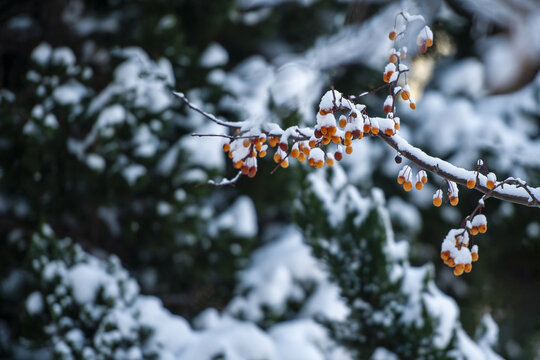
(405, 178)
(353, 124)
(455, 251)
(453, 195)
(391, 74)
(244, 151)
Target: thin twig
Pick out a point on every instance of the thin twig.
(226, 182)
(232, 125)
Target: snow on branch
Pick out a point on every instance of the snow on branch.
(513, 190)
(341, 120)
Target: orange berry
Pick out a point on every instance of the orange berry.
(226, 147)
(429, 42)
(458, 270)
(471, 183)
(387, 76)
(301, 157)
(367, 128)
(285, 164)
(405, 95)
(231, 155)
(396, 126)
(342, 123)
(412, 105)
(273, 142)
(474, 256)
(450, 262)
(347, 142)
(423, 179)
(332, 130)
(252, 172)
(392, 35)
(336, 139)
(277, 157)
(306, 150)
(375, 130)
(326, 141)
(311, 162)
(238, 164)
(262, 154)
(295, 153)
(437, 202)
(454, 200)
(419, 185)
(474, 230)
(312, 143)
(407, 186)
(482, 228)
(258, 146)
(323, 112)
(246, 142)
(324, 130)
(329, 162)
(392, 58)
(468, 268)
(490, 184)
(319, 164)
(445, 255)
(389, 132)
(348, 150)
(348, 135)
(401, 179)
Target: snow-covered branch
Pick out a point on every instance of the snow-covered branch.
(515, 190)
(341, 120)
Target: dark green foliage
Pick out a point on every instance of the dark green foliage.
(359, 253)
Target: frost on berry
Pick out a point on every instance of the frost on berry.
(491, 180)
(479, 224)
(437, 198)
(424, 39)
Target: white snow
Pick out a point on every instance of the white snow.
(70, 93)
(214, 55)
(240, 218)
(42, 53)
(133, 172)
(34, 303)
(85, 281)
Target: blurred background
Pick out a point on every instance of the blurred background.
(114, 247)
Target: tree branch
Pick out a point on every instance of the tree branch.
(521, 194)
(232, 125)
